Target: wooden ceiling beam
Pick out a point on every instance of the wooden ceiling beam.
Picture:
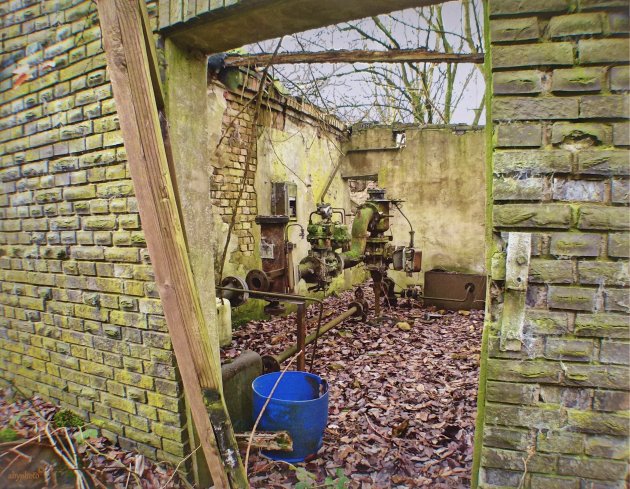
(353, 56)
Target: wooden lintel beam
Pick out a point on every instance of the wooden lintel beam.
(353, 56)
(128, 62)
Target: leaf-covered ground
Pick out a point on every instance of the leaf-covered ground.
(403, 394)
(33, 448)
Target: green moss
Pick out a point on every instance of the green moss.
(7, 434)
(68, 419)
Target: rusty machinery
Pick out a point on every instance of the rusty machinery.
(333, 248)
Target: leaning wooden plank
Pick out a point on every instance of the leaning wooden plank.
(153, 59)
(127, 60)
(353, 56)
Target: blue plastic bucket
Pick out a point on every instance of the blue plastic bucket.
(299, 405)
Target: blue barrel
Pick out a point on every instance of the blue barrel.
(299, 405)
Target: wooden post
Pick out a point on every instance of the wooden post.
(130, 72)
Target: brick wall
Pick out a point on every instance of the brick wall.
(80, 318)
(236, 161)
(557, 397)
(238, 158)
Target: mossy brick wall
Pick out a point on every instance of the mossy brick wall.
(237, 168)
(80, 318)
(556, 412)
(236, 159)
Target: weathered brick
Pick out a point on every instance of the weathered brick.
(573, 298)
(134, 379)
(607, 447)
(100, 222)
(164, 402)
(617, 300)
(511, 7)
(517, 82)
(578, 190)
(542, 322)
(507, 188)
(560, 442)
(621, 134)
(603, 218)
(568, 349)
(619, 78)
(575, 25)
(577, 134)
(550, 271)
(620, 191)
(129, 255)
(493, 477)
(619, 22)
(575, 244)
(500, 437)
(594, 376)
(540, 54)
(532, 215)
(80, 192)
(532, 162)
(605, 107)
(604, 162)
(513, 460)
(97, 369)
(592, 51)
(604, 273)
(539, 481)
(523, 371)
(593, 469)
(577, 80)
(537, 108)
(512, 393)
(615, 352)
(521, 29)
(619, 245)
(518, 135)
(114, 189)
(603, 325)
(611, 400)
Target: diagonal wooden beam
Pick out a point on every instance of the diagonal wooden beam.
(353, 56)
(128, 64)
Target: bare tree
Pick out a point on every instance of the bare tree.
(422, 93)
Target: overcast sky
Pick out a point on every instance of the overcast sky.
(338, 87)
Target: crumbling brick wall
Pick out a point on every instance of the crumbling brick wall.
(556, 405)
(236, 166)
(80, 318)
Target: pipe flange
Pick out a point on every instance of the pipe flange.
(236, 298)
(258, 280)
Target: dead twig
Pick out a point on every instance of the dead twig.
(116, 461)
(177, 467)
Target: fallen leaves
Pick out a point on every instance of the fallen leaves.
(402, 401)
(101, 461)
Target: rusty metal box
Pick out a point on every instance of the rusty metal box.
(446, 290)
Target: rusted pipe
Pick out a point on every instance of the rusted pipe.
(275, 295)
(292, 350)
